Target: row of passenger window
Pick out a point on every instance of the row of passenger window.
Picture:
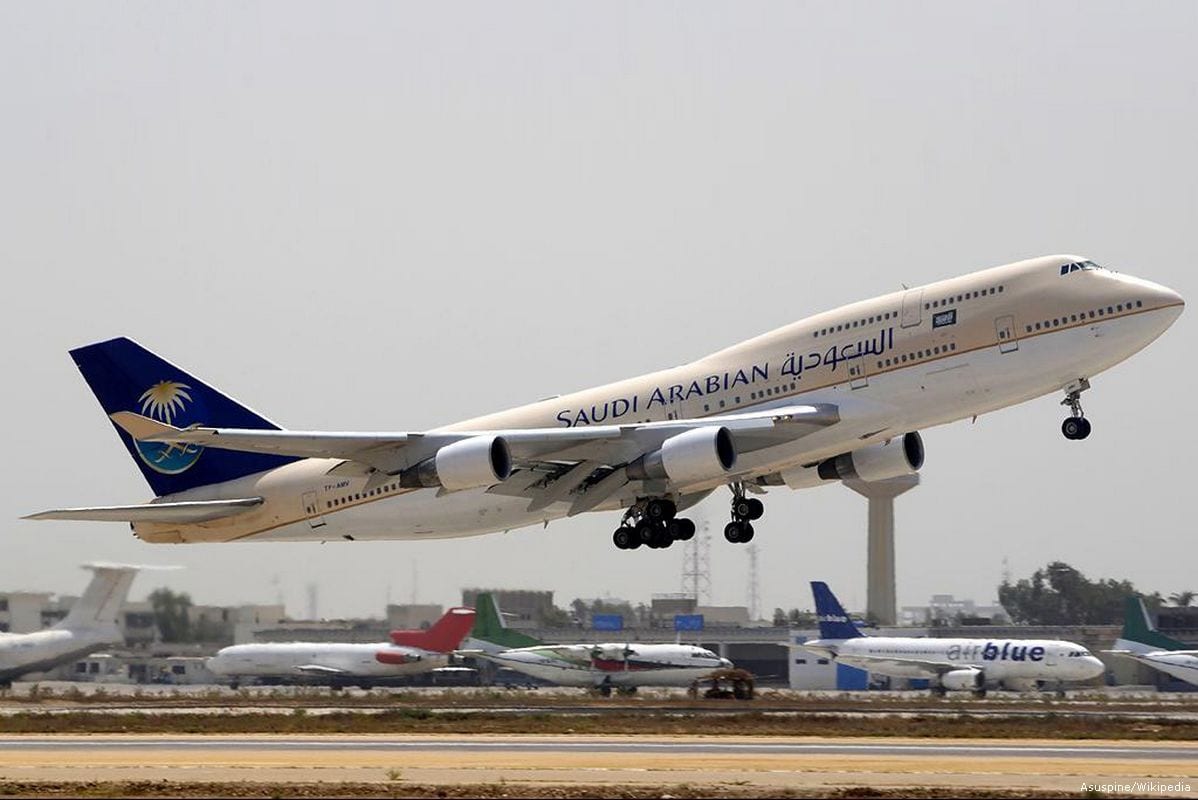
(918, 355)
(764, 393)
(350, 498)
(961, 298)
(1093, 313)
(857, 323)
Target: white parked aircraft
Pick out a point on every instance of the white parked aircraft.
(603, 666)
(949, 664)
(841, 394)
(1142, 642)
(338, 663)
(91, 624)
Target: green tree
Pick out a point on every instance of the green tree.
(1183, 598)
(1059, 594)
(170, 614)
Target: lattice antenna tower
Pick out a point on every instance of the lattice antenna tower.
(754, 598)
(696, 564)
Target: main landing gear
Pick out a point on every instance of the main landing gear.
(1075, 426)
(744, 511)
(654, 523)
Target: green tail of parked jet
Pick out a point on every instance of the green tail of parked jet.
(1140, 634)
(490, 633)
(1144, 643)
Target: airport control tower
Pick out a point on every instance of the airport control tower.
(881, 603)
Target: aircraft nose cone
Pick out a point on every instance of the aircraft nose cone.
(1164, 296)
(725, 663)
(1095, 667)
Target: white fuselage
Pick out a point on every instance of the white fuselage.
(1183, 666)
(900, 362)
(613, 664)
(323, 660)
(21, 653)
(1012, 661)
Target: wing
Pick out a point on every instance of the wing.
(184, 512)
(318, 669)
(582, 465)
(929, 667)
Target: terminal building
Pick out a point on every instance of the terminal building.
(774, 653)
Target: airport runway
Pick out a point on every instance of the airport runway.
(656, 760)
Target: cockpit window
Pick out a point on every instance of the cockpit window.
(703, 654)
(1078, 265)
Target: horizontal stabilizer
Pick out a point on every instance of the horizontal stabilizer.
(184, 512)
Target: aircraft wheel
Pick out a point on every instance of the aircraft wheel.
(979, 693)
(623, 538)
(685, 529)
(645, 531)
(1075, 428)
(742, 507)
(660, 509)
(746, 533)
(662, 538)
(732, 532)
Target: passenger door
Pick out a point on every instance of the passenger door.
(912, 308)
(312, 510)
(1004, 327)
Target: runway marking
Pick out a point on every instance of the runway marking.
(930, 749)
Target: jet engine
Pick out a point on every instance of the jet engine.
(472, 463)
(690, 457)
(878, 462)
(969, 679)
(903, 456)
(395, 659)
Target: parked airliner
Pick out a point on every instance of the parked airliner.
(91, 624)
(343, 663)
(949, 664)
(1142, 642)
(842, 394)
(602, 666)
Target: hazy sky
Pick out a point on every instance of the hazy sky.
(392, 216)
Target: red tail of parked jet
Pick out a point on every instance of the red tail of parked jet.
(445, 635)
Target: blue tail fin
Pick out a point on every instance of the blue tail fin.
(834, 623)
(127, 377)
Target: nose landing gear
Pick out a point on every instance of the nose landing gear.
(744, 511)
(1075, 426)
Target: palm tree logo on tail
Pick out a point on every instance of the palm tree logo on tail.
(167, 401)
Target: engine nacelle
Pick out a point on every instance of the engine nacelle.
(473, 463)
(969, 679)
(690, 457)
(396, 659)
(878, 462)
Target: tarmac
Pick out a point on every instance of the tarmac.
(1159, 768)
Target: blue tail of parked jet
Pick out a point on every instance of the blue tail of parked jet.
(834, 623)
(127, 377)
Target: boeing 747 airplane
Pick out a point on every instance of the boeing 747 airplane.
(842, 394)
